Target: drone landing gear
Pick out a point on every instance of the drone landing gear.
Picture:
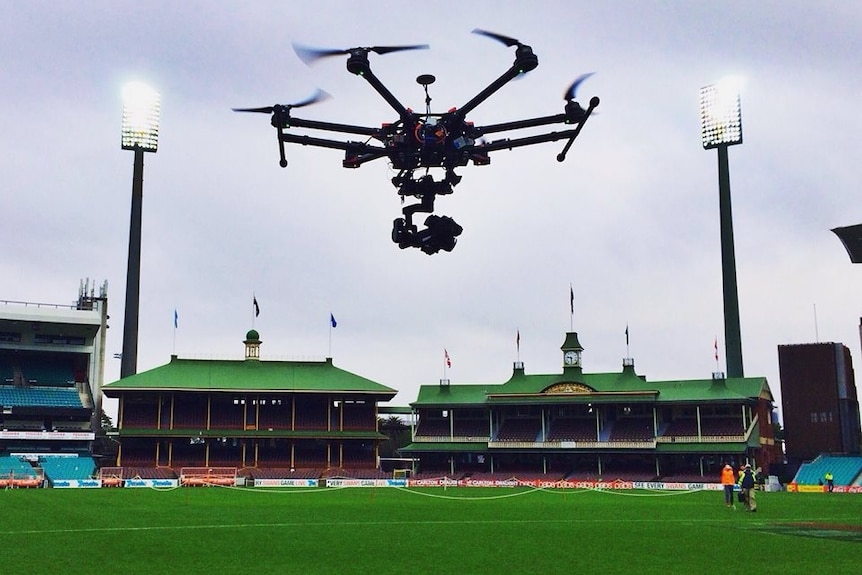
(440, 232)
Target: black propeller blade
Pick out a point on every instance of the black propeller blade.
(570, 93)
(318, 96)
(311, 55)
(498, 37)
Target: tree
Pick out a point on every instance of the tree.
(397, 433)
(105, 447)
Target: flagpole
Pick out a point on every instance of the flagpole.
(715, 345)
(332, 324)
(628, 354)
(518, 345)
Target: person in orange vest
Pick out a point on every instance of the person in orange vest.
(728, 480)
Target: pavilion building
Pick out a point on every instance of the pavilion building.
(576, 424)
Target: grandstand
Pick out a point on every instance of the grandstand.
(67, 468)
(17, 472)
(51, 365)
(589, 426)
(846, 470)
(262, 419)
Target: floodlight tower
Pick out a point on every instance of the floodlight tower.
(141, 106)
(721, 126)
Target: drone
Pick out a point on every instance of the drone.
(415, 143)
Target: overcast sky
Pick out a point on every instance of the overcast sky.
(630, 220)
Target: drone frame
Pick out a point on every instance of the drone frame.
(430, 140)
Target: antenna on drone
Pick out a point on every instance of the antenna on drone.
(426, 80)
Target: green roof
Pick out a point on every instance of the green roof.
(248, 433)
(249, 375)
(568, 386)
(696, 447)
(446, 447)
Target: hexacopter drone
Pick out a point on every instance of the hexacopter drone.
(419, 142)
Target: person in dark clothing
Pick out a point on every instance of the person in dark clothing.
(747, 485)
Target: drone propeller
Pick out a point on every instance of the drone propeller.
(570, 93)
(498, 37)
(311, 55)
(318, 96)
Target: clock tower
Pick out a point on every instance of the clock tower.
(572, 349)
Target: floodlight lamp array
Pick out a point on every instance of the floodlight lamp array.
(720, 116)
(141, 110)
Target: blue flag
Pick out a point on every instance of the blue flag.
(176, 319)
(332, 321)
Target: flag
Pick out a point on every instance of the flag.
(715, 344)
(176, 319)
(446, 355)
(256, 307)
(518, 340)
(627, 334)
(571, 299)
(332, 321)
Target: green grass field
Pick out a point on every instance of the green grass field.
(428, 531)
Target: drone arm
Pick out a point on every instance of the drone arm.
(507, 144)
(519, 124)
(594, 101)
(321, 142)
(332, 127)
(369, 76)
(507, 77)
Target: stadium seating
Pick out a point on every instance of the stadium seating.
(845, 470)
(61, 468)
(470, 428)
(41, 396)
(573, 429)
(714, 427)
(16, 472)
(17, 466)
(191, 415)
(140, 415)
(358, 417)
(148, 473)
(314, 418)
(280, 473)
(632, 429)
(38, 370)
(515, 429)
(226, 416)
(433, 427)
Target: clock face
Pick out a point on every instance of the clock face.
(569, 357)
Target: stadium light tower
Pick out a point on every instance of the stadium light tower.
(141, 106)
(721, 126)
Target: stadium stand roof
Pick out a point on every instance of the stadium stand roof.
(249, 376)
(595, 387)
